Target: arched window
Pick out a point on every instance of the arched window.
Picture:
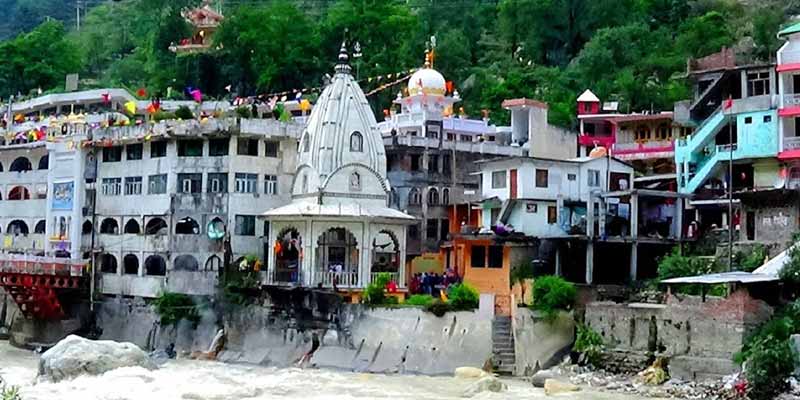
(185, 262)
(40, 227)
(305, 184)
(87, 227)
(21, 164)
(19, 193)
(187, 226)
(664, 132)
(109, 226)
(642, 133)
(446, 196)
(355, 181)
(306, 142)
(130, 265)
(356, 142)
(433, 197)
(414, 198)
(44, 162)
(216, 228)
(17, 227)
(132, 226)
(155, 265)
(155, 226)
(108, 263)
(214, 263)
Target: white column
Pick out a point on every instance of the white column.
(589, 262)
(559, 271)
(634, 261)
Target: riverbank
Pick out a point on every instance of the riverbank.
(205, 380)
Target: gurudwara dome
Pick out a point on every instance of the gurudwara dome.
(338, 231)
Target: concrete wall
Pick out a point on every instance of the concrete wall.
(699, 337)
(538, 342)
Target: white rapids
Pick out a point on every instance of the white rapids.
(205, 380)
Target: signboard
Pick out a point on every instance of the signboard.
(62, 195)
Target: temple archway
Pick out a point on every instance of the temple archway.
(337, 258)
(288, 252)
(155, 265)
(385, 255)
(108, 264)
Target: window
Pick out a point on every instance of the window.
(134, 151)
(415, 162)
(218, 147)
(541, 178)
(433, 163)
(247, 147)
(270, 184)
(190, 148)
(446, 168)
(642, 133)
(112, 186)
(571, 177)
(157, 184)
(246, 225)
(190, 183)
(246, 183)
(498, 179)
(478, 257)
(445, 196)
(356, 142)
(433, 197)
(767, 119)
(112, 154)
(552, 214)
(158, 149)
(306, 142)
(664, 132)
(593, 179)
(748, 120)
(444, 229)
(355, 181)
(217, 183)
(432, 228)
(758, 83)
(271, 148)
(133, 185)
(495, 257)
(414, 197)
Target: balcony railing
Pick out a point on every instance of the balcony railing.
(393, 276)
(649, 145)
(791, 100)
(791, 143)
(34, 265)
(338, 279)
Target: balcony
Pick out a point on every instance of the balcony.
(790, 105)
(589, 140)
(790, 149)
(271, 127)
(788, 61)
(644, 150)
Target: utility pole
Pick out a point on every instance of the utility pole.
(730, 196)
(78, 14)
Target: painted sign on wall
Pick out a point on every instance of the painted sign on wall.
(62, 195)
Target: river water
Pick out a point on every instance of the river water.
(205, 380)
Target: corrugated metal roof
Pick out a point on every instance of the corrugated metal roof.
(354, 210)
(724, 277)
(795, 28)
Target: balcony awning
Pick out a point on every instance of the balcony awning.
(791, 29)
(789, 154)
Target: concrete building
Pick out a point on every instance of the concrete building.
(151, 204)
(338, 230)
(432, 151)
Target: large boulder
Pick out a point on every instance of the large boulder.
(554, 386)
(488, 383)
(538, 379)
(470, 373)
(74, 356)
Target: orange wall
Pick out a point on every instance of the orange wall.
(461, 213)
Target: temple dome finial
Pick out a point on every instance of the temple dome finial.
(343, 64)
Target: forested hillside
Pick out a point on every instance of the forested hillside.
(632, 51)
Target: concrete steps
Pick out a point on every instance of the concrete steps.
(503, 354)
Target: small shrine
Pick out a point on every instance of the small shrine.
(205, 21)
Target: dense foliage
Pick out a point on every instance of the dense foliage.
(423, 300)
(463, 297)
(769, 354)
(631, 51)
(375, 293)
(552, 294)
(173, 307)
(589, 344)
(791, 269)
(677, 264)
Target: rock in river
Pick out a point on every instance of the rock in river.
(488, 383)
(74, 356)
(553, 386)
(469, 372)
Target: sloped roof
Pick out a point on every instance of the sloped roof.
(588, 97)
(350, 210)
(791, 29)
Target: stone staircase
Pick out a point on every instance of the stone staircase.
(503, 355)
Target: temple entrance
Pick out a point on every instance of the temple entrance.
(337, 259)
(385, 256)
(288, 256)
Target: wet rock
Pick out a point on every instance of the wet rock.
(540, 377)
(554, 386)
(488, 383)
(470, 372)
(75, 356)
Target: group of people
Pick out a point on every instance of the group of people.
(433, 283)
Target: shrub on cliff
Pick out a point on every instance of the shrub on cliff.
(552, 294)
(791, 269)
(463, 297)
(9, 392)
(184, 112)
(375, 293)
(173, 307)
(423, 300)
(589, 344)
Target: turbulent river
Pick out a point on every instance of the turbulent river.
(205, 380)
